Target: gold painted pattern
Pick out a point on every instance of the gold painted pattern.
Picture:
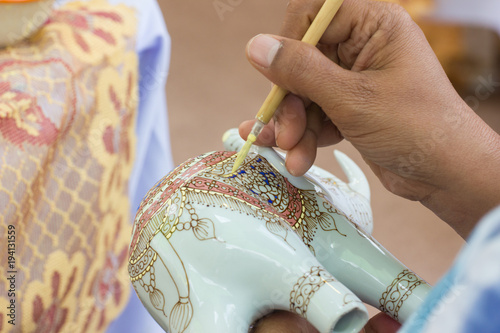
(145, 263)
(398, 292)
(305, 288)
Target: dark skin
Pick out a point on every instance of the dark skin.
(374, 80)
(379, 85)
(286, 322)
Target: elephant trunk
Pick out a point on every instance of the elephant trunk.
(368, 269)
(319, 298)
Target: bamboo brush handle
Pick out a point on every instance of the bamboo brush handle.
(271, 103)
(312, 37)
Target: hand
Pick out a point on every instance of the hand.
(375, 81)
(287, 322)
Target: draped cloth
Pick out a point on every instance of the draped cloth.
(68, 108)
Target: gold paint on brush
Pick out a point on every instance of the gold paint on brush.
(244, 151)
(268, 108)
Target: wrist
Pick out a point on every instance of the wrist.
(470, 176)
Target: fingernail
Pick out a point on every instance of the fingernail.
(262, 49)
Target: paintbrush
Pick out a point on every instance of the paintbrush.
(268, 108)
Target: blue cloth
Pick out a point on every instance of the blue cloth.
(153, 153)
(467, 299)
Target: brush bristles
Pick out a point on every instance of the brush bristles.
(243, 153)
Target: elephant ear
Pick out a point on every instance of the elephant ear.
(204, 229)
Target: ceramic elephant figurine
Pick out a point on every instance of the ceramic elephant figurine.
(208, 255)
(212, 250)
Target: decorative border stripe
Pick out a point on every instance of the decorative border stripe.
(398, 292)
(305, 288)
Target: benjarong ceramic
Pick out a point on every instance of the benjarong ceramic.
(213, 251)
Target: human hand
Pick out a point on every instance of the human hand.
(287, 322)
(379, 85)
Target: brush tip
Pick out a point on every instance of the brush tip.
(242, 154)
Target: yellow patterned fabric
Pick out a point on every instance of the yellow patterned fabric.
(68, 102)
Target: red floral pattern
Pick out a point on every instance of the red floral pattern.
(51, 317)
(106, 286)
(22, 120)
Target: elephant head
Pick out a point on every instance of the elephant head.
(352, 199)
(341, 239)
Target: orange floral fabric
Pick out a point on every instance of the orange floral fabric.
(68, 103)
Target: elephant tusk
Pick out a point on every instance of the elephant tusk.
(357, 179)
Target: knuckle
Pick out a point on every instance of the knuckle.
(295, 5)
(394, 7)
(394, 14)
(388, 15)
(299, 15)
(299, 6)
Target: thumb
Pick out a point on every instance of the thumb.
(303, 70)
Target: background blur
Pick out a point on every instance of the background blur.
(211, 88)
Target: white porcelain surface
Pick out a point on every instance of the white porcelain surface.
(20, 20)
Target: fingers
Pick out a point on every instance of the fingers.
(298, 17)
(265, 138)
(298, 131)
(287, 127)
(286, 322)
(300, 157)
(283, 322)
(382, 323)
(290, 122)
(301, 69)
(354, 16)
(300, 14)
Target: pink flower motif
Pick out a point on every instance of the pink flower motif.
(106, 286)
(51, 318)
(22, 120)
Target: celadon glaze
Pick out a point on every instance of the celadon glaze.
(212, 250)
